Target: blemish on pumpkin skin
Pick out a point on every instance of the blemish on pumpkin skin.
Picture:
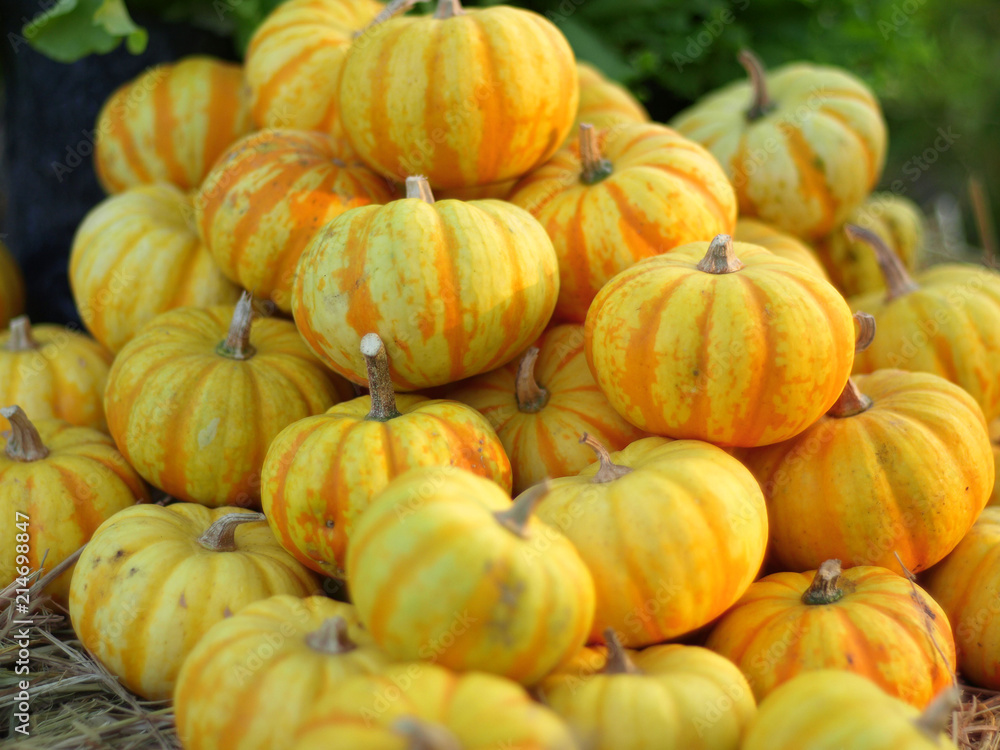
(119, 554)
(183, 601)
(227, 612)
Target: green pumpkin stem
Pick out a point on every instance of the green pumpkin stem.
(824, 588)
(379, 380)
(720, 258)
(618, 661)
(761, 103)
(448, 9)
(531, 397)
(331, 637)
(851, 400)
(897, 279)
(609, 471)
(237, 344)
(21, 339)
(515, 518)
(221, 535)
(417, 186)
(24, 443)
(937, 716)
(594, 167)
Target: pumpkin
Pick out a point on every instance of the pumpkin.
(251, 679)
(294, 59)
(995, 438)
(945, 320)
(689, 698)
(154, 579)
(193, 408)
(320, 473)
(497, 191)
(804, 144)
(11, 287)
(780, 243)
(541, 403)
(443, 568)
(53, 371)
(832, 710)
(852, 264)
(266, 198)
(58, 483)
(447, 96)
(700, 343)
(418, 706)
(170, 124)
(454, 289)
(604, 103)
(615, 197)
(145, 232)
(867, 620)
(685, 511)
(859, 485)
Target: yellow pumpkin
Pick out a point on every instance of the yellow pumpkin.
(154, 579)
(443, 568)
(147, 232)
(52, 371)
(604, 103)
(804, 144)
(11, 287)
(454, 289)
(780, 243)
(194, 408)
(58, 483)
(466, 96)
(995, 438)
(320, 473)
(170, 124)
(252, 678)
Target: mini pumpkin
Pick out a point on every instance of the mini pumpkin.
(11, 287)
(604, 103)
(780, 243)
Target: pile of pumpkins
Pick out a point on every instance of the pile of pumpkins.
(552, 449)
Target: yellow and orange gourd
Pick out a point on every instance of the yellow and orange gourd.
(754, 232)
(604, 103)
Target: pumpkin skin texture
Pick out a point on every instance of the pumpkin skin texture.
(266, 198)
(294, 59)
(65, 481)
(540, 415)
(454, 289)
(170, 124)
(11, 287)
(830, 710)
(860, 487)
(251, 679)
(147, 587)
(882, 627)
(995, 439)
(511, 595)
(321, 472)
(685, 511)
(643, 189)
(742, 358)
(604, 103)
(445, 96)
(196, 420)
(145, 232)
(52, 371)
(805, 164)
(780, 243)
(497, 191)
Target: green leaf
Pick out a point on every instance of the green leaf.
(114, 17)
(589, 47)
(72, 29)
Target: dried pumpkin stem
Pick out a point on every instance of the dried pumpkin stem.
(237, 344)
(897, 279)
(425, 735)
(866, 331)
(531, 397)
(331, 637)
(515, 518)
(850, 402)
(609, 471)
(24, 443)
(618, 661)
(824, 588)
(389, 11)
(417, 186)
(594, 167)
(21, 339)
(379, 381)
(448, 9)
(761, 103)
(936, 717)
(720, 258)
(221, 535)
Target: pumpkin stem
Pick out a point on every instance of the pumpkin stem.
(425, 735)
(221, 535)
(24, 444)
(595, 166)
(618, 661)
(984, 221)
(237, 344)
(761, 103)
(936, 717)
(609, 471)
(391, 9)
(379, 381)
(515, 518)
(897, 279)
(331, 638)
(720, 258)
(531, 397)
(866, 331)
(824, 588)
(851, 400)
(417, 186)
(21, 339)
(448, 9)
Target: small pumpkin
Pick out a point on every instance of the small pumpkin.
(320, 473)
(443, 568)
(58, 483)
(604, 103)
(780, 243)
(497, 191)
(11, 287)
(269, 193)
(804, 144)
(194, 406)
(252, 677)
(170, 124)
(541, 403)
(154, 579)
(145, 232)
(454, 289)
(867, 620)
(720, 342)
(53, 371)
(614, 197)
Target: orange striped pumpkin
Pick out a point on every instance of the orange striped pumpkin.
(465, 97)
(268, 196)
(604, 103)
(11, 287)
(146, 232)
(615, 197)
(780, 243)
